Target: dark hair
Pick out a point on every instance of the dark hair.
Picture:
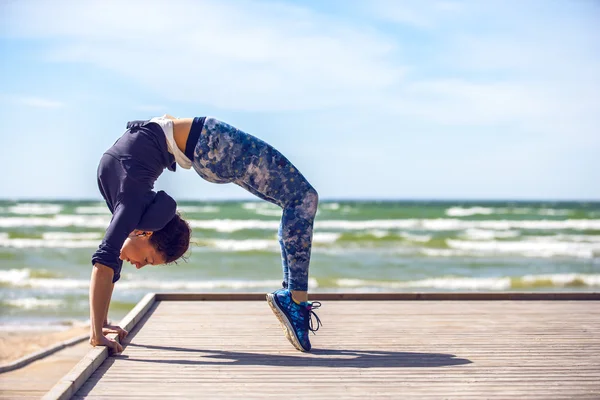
(173, 240)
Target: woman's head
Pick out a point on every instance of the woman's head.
(159, 247)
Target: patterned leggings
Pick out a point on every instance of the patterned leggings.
(225, 154)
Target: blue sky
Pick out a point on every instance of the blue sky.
(370, 99)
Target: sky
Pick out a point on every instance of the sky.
(378, 99)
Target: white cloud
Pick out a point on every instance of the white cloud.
(422, 14)
(237, 55)
(39, 102)
(257, 56)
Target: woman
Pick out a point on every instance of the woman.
(145, 228)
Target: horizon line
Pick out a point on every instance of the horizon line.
(328, 199)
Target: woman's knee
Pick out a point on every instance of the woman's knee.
(311, 201)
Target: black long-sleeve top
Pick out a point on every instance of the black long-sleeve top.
(126, 176)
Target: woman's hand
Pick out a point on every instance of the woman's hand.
(115, 329)
(104, 341)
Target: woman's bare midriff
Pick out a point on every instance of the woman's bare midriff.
(181, 130)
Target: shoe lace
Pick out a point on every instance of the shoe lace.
(310, 306)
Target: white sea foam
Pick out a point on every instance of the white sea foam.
(199, 209)
(57, 243)
(450, 224)
(35, 209)
(416, 238)
(232, 225)
(264, 208)
(447, 283)
(206, 285)
(261, 244)
(21, 278)
(92, 210)
(326, 237)
(554, 212)
(31, 303)
(330, 206)
(531, 248)
(378, 233)
(446, 253)
(454, 224)
(485, 234)
(465, 212)
(564, 279)
(463, 283)
(242, 245)
(71, 235)
(14, 276)
(58, 221)
(577, 238)
(470, 211)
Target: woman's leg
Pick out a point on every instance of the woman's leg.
(273, 178)
(226, 154)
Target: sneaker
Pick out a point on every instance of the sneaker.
(295, 319)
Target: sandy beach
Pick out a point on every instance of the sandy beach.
(14, 344)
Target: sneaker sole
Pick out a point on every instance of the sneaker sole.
(286, 325)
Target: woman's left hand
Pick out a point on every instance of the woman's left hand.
(115, 329)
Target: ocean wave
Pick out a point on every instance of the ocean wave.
(32, 303)
(21, 278)
(330, 206)
(326, 237)
(92, 210)
(71, 235)
(233, 225)
(264, 208)
(25, 243)
(531, 248)
(483, 234)
(470, 211)
(577, 238)
(58, 221)
(35, 209)
(450, 224)
(416, 238)
(271, 245)
(473, 283)
(199, 209)
(241, 245)
(466, 212)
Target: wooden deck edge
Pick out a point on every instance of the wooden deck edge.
(465, 296)
(72, 381)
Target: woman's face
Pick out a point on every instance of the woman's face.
(138, 250)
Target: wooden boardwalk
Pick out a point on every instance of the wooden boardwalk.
(399, 349)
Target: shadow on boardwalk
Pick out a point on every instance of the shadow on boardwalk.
(316, 358)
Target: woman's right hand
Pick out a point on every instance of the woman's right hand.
(112, 345)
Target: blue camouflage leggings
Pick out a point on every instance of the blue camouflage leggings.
(225, 154)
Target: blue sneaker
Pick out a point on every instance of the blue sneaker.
(295, 319)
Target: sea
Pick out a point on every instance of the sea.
(358, 246)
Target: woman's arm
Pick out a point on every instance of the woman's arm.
(100, 293)
(110, 328)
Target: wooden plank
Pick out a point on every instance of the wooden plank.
(454, 296)
(366, 349)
